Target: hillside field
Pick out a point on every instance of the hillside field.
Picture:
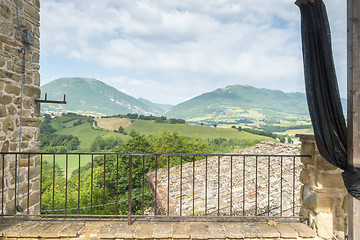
(112, 123)
(87, 134)
(147, 127)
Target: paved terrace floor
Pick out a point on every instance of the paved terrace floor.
(11, 228)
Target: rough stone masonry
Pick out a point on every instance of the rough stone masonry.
(238, 185)
(10, 105)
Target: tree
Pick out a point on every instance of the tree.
(121, 129)
(172, 142)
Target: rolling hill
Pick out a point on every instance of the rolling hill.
(93, 97)
(242, 102)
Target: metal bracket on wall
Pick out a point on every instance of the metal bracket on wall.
(50, 101)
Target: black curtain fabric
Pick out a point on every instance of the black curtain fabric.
(323, 94)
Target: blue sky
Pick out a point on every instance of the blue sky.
(169, 51)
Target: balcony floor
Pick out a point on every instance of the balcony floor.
(11, 228)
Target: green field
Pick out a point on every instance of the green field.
(151, 128)
(86, 134)
(72, 161)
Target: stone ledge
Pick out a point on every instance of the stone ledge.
(119, 229)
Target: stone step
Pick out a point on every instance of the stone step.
(118, 229)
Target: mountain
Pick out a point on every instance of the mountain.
(241, 102)
(93, 97)
(165, 107)
(160, 108)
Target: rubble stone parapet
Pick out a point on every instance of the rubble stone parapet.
(11, 55)
(323, 195)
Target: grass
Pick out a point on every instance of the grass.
(87, 134)
(73, 161)
(152, 128)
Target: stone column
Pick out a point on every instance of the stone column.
(323, 194)
(11, 102)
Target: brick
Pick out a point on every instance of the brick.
(268, 231)
(36, 229)
(286, 231)
(126, 231)
(250, 230)
(162, 230)
(91, 228)
(72, 230)
(16, 230)
(180, 231)
(232, 230)
(144, 231)
(198, 231)
(216, 231)
(53, 230)
(303, 230)
(108, 231)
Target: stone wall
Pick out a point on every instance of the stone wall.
(248, 185)
(10, 103)
(323, 194)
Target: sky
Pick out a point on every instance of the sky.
(169, 51)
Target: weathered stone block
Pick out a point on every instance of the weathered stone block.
(31, 122)
(34, 198)
(28, 104)
(5, 11)
(13, 147)
(11, 195)
(11, 109)
(11, 89)
(32, 91)
(3, 112)
(23, 188)
(8, 124)
(325, 180)
(5, 146)
(26, 162)
(5, 99)
(305, 177)
(34, 172)
(324, 225)
(322, 164)
(308, 198)
(24, 145)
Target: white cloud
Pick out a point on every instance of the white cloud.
(183, 48)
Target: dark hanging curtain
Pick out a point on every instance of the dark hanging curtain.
(323, 94)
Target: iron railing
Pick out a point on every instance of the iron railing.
(150, 185)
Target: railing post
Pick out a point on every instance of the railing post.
(130, 189)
